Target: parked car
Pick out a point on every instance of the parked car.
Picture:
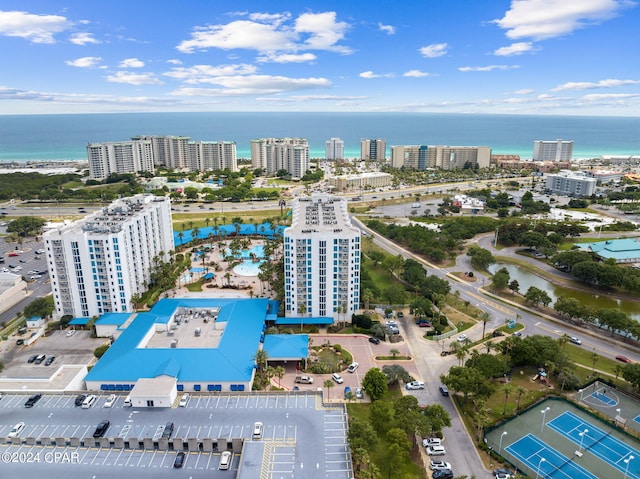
(502, 473)
(436, 450)
(442, 474)
(436, 465)
(304, 380)
(49, 360)
(337, 378)
(258, 430)
(623, 359)
(110, 401)
(374, 340)
(347, 392)
(359, 393)
(414, 385)
(39, 359)
(16, 430)
(443, 390)
(225, 460)
(400, 314)
(497, 333)
(89, 401)
(168, 430)
(462, 338)
(32, 358)
(80, 399)
(179, 460)
(352, 367)
(184, 400)
(101, 428)
(575, 340)
(33, 400)
(71, 332)
(431, 441)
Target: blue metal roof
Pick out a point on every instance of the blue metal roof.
(287, 346)
(231, 361)
(624, 249)
(79, 321)
(305, 320)
(117, 319)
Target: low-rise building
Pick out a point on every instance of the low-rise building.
(571, 184)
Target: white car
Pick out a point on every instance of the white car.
(17, 429)
(71, 332)
(435, 465)
(575, 340)
(111, 400)
(432, 441)
(414, 385)
(337, 378)
(184, 400)
(436, 450)
(225, 460)
(462, 338)
(352, 368)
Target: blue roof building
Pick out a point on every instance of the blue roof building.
(206, 344)
(625, 250)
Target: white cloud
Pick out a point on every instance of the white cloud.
(272, 34)
(306, 98)
(82, 39)
(253, 85)
(434, 50)
(174, 61)
(204, 73)
(134, 78)
(524, 91)
(287, 58)
(488, 68)
(35, 28)
(610, 96)
(415, 74)
(84, 62)
(515, 49)
(388, 29)
(131, 63)
(543, 19)
(592, 85)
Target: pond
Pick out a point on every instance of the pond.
(594, 299)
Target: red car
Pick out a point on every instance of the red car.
(624, 359)
(13, 254)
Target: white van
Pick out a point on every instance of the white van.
(127, 401)
(257, 430)
(88, 401)
(225, 460)
(436, 450)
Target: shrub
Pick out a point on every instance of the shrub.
(100, 350)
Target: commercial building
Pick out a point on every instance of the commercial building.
(119, 157)
(13, 289)
(334, 149)
(571, 184)
(275, 154)
(374, 150)
(558, 150)
(624, 250)
(605, 177)
(143, 153)
(360, 182)
(99, 262)
(321, 259)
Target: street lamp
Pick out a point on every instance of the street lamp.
(582, 435)
(544, 416)
(581, 391)
(539, 464)
(626, 468)
(504, 433)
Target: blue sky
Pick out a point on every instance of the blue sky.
(576, 57)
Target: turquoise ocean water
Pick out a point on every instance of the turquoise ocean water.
(64, 137)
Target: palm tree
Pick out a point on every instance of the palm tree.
(563, 340)
(261, 357)
(489, 345)
(618, 370)
(394, 352)
(485, 318)
(594, 358)
(520, 390)
(507, 389)
(328, 384)
(280, 372)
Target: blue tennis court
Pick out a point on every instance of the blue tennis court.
(597, 442)
(637, 419)
(545, 460)
(603, 398)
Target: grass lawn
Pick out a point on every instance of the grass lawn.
(195, 287)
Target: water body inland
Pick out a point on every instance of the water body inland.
(594, 298)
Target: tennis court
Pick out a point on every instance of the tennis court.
(549, 440)
(598, 442)
(546, 461)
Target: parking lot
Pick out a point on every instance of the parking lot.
(298, 430)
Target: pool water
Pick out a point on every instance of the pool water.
(248, 268)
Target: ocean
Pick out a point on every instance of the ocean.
(64, 137)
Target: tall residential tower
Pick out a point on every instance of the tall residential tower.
(321, 259)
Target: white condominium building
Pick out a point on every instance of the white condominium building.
(275, 154)
(374, 150)
(458, 157)
(571, 183)
(414, 157)
(361, 181)
(558, 150)
(321, 259)
(334, 149)
(119, 157)
(98, 263)
(212, 155)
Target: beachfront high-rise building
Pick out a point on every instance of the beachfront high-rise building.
(444, 157)
(275, 154)
(374, 150)
(334, 149)
(119, 157)
(142, 153)
(321, 259)
(558, 150)
(98, 263)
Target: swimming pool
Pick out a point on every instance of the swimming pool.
(248, 268)
(258, 252)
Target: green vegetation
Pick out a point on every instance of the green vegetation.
(100, 350)
(39, 307)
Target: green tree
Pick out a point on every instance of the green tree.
(328, 384)
(437, 417)
(375, 383)
(500, 279)
(25, 226)
(39, 307)
(381, 416)
(362, 434)
(631, 373)
(537, 296)
(467, 381)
